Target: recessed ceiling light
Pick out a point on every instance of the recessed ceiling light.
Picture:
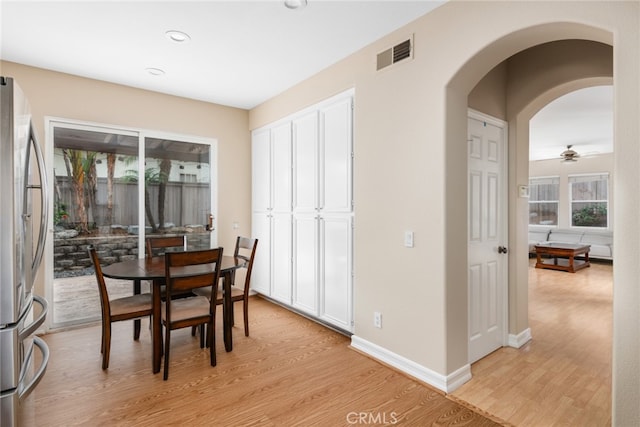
(155, 71)
(295, 4)
(177, 36)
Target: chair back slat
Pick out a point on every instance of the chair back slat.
(164, 242)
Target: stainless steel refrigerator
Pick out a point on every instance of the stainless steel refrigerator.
(23, 222)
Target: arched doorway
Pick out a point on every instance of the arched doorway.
(537, 86)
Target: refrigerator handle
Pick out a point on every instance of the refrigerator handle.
(44, 201)
(24, 393)
(28, 331)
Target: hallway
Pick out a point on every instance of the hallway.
(563, 375)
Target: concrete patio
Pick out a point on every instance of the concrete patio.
(76, 299)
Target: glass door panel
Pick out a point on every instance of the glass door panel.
(178, 190)
(95, 203)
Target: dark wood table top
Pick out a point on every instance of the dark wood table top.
(566, 246)
(153, 268)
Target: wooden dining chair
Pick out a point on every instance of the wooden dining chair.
(116, 310)
(181, 275)
(164, 242)
(245, 250)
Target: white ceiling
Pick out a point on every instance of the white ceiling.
(583, 118)
(242, 53)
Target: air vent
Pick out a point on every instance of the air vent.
(395, 54)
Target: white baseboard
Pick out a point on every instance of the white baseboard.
(521, 339)
(447, 383)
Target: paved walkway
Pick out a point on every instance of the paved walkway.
(76, 299)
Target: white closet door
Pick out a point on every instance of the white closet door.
(305, 165)
(281, 257)
(336, 156)
(309, 210)
(305, 295)
(261, 275)
(261, 170)
(336, 307)
(281, 167)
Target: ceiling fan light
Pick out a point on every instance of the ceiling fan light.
(569, 155)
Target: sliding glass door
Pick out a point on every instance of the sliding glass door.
(100, 199)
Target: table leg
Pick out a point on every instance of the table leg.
(136, 322)
(156, 341)
(227, 311)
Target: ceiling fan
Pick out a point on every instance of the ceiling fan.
(569, 155)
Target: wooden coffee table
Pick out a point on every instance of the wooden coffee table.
(561, 256)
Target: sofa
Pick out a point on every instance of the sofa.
(601, 241)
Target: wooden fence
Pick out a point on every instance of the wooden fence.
(185, 203)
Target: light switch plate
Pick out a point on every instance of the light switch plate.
(523, 190)
(408, 239)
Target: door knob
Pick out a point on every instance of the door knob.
(502, 250)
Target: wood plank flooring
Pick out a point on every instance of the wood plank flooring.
(293, 372)
(563, 376)
(289, 372)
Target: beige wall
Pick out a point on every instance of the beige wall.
(70, 97)
(490, 94)
(410, 128)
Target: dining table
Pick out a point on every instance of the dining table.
(153, 269)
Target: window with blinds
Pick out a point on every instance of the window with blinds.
(589, 198)
(544, 200)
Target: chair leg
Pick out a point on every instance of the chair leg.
(166, 353)
(136, 329)
(202, 335)
(245, 309)
(211, 341)
(106, 346)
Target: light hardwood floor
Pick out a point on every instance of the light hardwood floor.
(562, 377)
(292, 371)
(289, 372)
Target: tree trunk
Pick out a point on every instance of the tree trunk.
(111, 167)
(147, 210)
(73, 158)
(91, 188)
(165, 170)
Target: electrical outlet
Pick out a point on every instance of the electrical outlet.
(377, 319)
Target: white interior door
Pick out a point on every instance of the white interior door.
(487, 260)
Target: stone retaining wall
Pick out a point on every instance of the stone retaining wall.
(70, 254)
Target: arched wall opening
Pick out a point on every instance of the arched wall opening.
(531, 70)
